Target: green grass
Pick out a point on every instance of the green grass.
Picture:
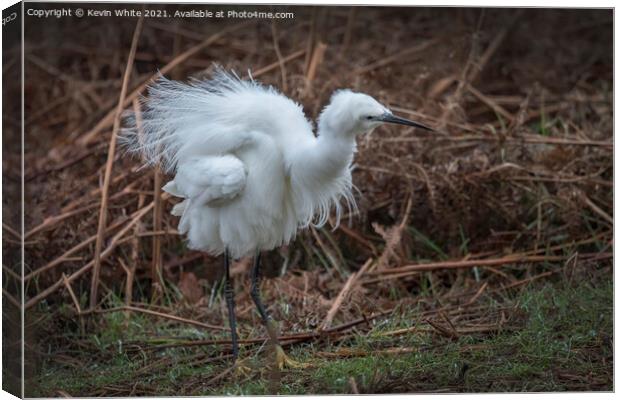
(561, 340)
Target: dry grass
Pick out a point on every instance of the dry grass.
(516, 188)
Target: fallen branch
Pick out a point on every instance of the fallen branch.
(512, 259)
(352, 352)
(158, 314)
(335, 331)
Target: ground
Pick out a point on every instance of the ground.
(554, 336)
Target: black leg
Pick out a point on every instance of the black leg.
(230, 302)
(255, 292)
(272, 327)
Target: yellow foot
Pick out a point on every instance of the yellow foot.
(239, 369)
(282, 360)
(242, 368)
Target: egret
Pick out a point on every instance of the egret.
(248, 167)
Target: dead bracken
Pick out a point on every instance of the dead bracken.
(463, 239)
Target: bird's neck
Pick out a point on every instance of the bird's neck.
(334, 152)
(319, 172)
(322, 160)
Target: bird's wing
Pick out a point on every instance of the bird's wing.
(209, 180)
(206, 118)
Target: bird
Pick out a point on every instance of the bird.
(248, 168)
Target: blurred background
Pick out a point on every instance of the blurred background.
(486, 247)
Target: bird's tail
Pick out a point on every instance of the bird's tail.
(177, 114)
(147, 130)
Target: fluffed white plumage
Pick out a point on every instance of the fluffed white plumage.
(247, 164)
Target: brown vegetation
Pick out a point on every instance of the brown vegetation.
(516, 187)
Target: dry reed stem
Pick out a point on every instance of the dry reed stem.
(346, 289)
(12, 231)
(170, 232)
(395, 57)
(357, 236)
(135, 258)
(334, 332)
(490, 51)
(129, 272)
(176, 29)
(310, 41)
(12, 273)
(489, 102)
(51, 221)
(522, 139)
(393, 238)
(276, 47)
(436, 327)
(440, 86)
(597, 209)
(97, 191)
(478, 294)
(315, 61)
(528, 280)
(10, 298)
(328, 252)
(512, 259)
(103, 211)
(67, 284)
(158, 314)
(66, 255)
(449, 322)
(472, 69)
(381, 278)
(449, 333)
(53, 71)
(156, 267)
(268, 68)
(352, 382)
(348, 33)
(63, 165)
(74, 298)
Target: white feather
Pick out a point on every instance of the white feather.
(245, 159)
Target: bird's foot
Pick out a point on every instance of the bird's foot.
(282, 360)
(242, 368)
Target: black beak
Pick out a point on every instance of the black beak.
(393, 119)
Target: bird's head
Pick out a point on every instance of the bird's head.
(350, 113)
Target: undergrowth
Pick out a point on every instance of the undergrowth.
(560, 341)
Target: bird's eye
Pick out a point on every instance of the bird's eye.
(369, 117)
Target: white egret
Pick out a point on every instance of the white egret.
(248, 166)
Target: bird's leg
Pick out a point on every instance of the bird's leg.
(272, 327)
(230, 302)
(239, 366)
(255, 292)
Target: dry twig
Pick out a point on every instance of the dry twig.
(103, 211)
